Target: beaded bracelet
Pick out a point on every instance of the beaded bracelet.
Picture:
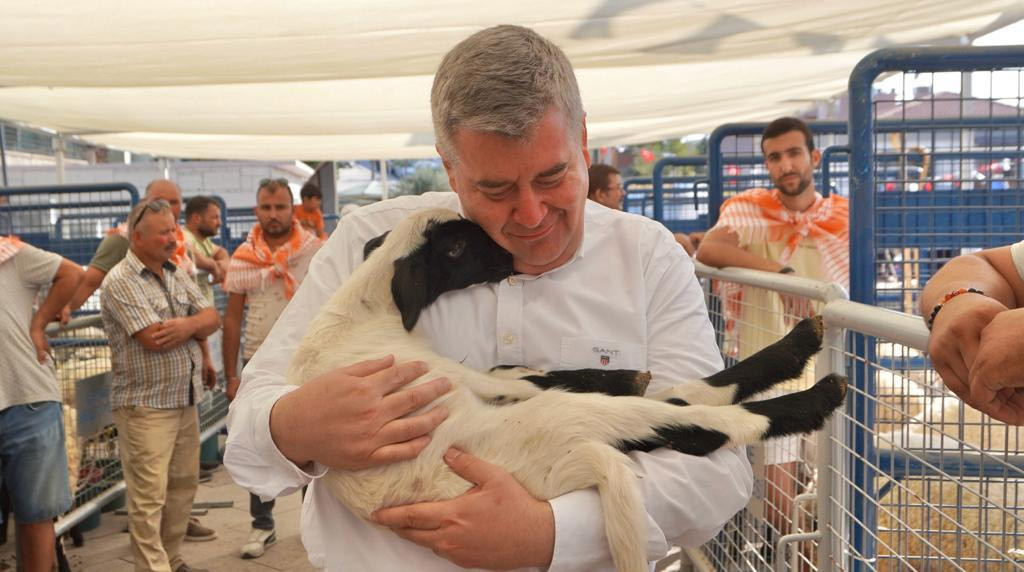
(947, 298)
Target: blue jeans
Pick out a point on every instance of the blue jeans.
(34, 462)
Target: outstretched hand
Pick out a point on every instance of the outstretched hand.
(496, 525)
(355, 417)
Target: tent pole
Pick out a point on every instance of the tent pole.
(58, 144)
(3, 151)
(383, 179)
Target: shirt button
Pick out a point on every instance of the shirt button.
(510, 339)
(511, 281)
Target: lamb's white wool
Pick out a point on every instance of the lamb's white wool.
(553, 442)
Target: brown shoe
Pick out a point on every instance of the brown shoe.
(197, 532)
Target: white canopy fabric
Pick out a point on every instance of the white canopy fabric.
(323, 79)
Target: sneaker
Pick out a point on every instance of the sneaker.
(197, 532)
(205, 476)
(258, 542)
(187, 568)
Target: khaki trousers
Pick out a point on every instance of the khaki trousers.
(160, 459)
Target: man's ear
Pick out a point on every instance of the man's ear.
(449, 169)
(583, 140)
(409, 290)
(815, 158)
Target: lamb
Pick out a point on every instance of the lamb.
(552, 440)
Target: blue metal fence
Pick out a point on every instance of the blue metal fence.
(70, 220)
(923, 188)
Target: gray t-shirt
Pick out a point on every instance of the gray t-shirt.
(1017, 252)
(22, 378)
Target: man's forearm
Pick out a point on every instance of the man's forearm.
(721, 255)
(231, 342)
(90, 282)
(63, 288)
(206, 322)
(967, 271)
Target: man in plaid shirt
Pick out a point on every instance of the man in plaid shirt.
(155, 317)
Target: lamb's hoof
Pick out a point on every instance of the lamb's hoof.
(834, 386)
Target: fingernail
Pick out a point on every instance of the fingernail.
(445, 383)
(451, 455)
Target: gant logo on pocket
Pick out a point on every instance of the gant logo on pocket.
(605, 353)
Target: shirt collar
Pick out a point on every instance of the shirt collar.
(137, 267)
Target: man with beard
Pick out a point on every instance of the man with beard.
(202, 221)
(790, 229)
(264, 273)
(155, 318)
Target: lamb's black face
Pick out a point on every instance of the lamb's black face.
(455, 255)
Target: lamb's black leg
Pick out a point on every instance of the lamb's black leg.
(746, 423)
(606, 381)
(781, 361)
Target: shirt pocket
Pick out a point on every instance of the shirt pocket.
(182, 304)
(580, 353)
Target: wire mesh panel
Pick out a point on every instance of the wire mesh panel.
(920, 481)
(904, 478)
(747, 318)
(936, 164)
(735, 161)
(679, 198)
(236, 227)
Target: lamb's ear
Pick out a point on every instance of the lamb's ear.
(373, 244)
(409, 289)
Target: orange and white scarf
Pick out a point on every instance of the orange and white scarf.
(9, 246)
(758, 215)
(254, 265)
(179, 258)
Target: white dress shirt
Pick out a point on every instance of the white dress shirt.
(628, 299)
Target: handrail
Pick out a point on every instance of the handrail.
(793, 285)
(93, 321)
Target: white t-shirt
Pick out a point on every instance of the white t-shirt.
(22, 378)
(630, 288)
(1017, 252)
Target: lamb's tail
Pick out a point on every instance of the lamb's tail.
(774, 364)
(596, 464)
(702, 429)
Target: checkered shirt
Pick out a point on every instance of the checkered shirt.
(133, 298)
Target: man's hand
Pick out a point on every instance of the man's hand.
(354, 417)
(209, 373)
(174, 332)
(997, 374)
(955, 336)
(232, 387)
(496, 525)
(218, 274)
(41, 343)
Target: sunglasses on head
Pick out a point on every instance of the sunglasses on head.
(155, 206)
(265, 182)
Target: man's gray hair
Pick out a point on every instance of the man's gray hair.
(502, 80)
(138, 212)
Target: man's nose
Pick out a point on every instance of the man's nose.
(530, 209)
